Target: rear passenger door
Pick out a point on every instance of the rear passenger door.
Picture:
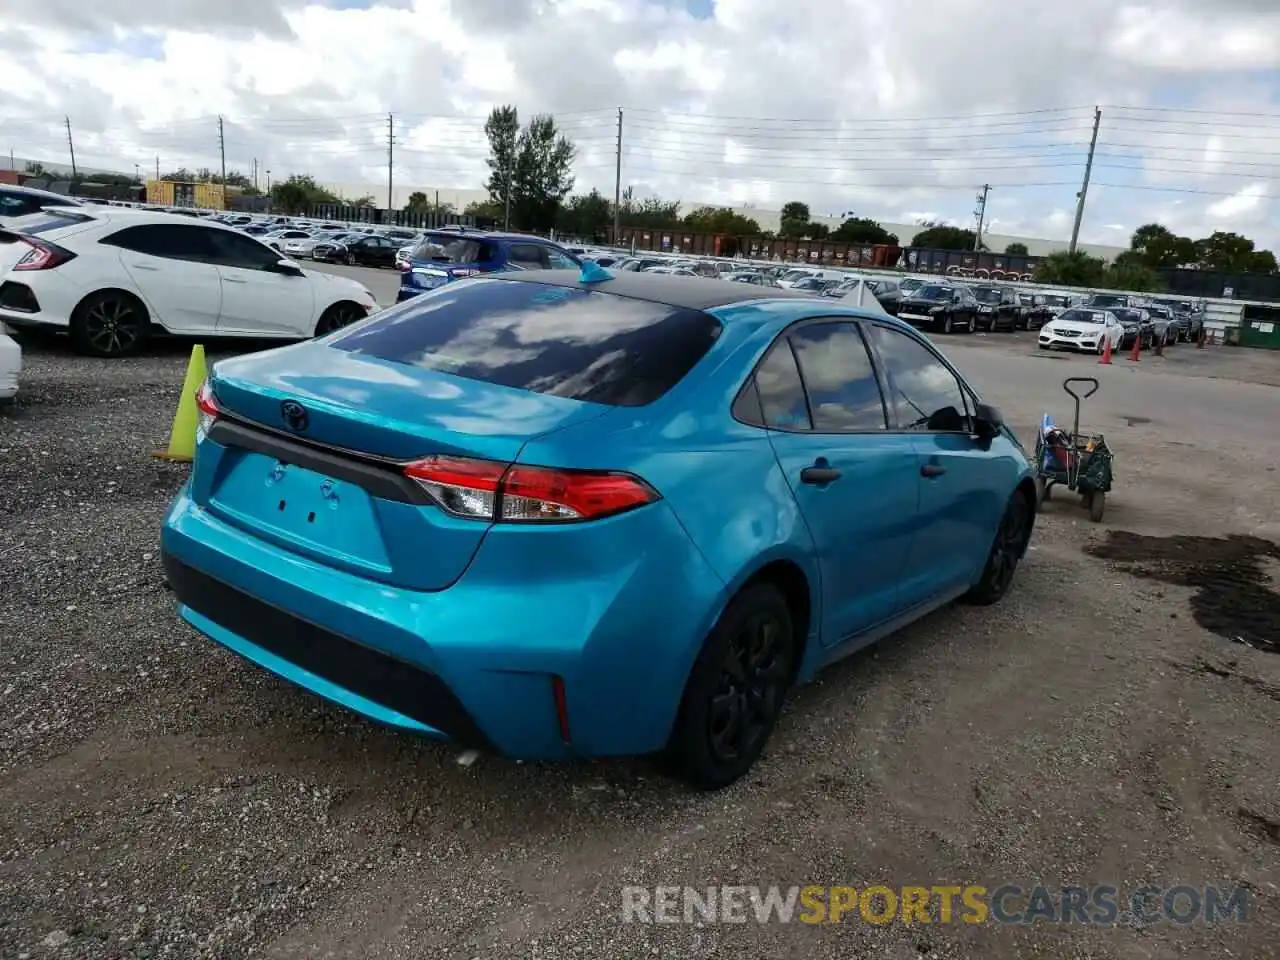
(170, 265)
(527, 256)
(856, 483)
(961, 497)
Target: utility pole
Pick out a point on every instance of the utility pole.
(1084, 187)
(222, 149)
(71, 147)
(157, 168)
(391, 156)
(981, 214)
(617, 182)
(255, 173)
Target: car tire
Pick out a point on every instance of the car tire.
(948, 325)
(339, 315)
(110, 324)
(1007, 549)
(755, 637)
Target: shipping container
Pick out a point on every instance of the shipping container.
(172, 193)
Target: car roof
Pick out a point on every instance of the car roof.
(673, 290)
(63, 198)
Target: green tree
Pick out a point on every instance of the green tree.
(420, 203)
(503, 132)
(1223, 250)
(544, 174)
(531, 169)
(585, 215)
(181, 175)
(299, 192)
(863, 230)
(652, 212)
(1157, 246)
(486, 213)
(1066, 269)
(794, 210)
(721, 220)
(1264, 261)
(1130, 272)
(938, 237)
(1016, 250)
(34, 168)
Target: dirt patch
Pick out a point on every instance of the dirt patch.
(1233, 597)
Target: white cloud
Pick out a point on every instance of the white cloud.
(305, 87)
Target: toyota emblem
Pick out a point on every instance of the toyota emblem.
(295, 415)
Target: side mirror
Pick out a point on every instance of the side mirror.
(288, 268)
(987, 421)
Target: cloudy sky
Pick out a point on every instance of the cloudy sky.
(893, 110)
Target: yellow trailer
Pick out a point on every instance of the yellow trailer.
(172, 193)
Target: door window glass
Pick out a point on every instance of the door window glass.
(231, 249)
(527, 256)
(172, 241)
(782, 400)
(839, 378)
(926, 395)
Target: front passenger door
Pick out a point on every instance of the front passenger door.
(856, 484)
(961, 500)
(256, 298)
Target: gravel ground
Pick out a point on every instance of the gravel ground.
(161, 798)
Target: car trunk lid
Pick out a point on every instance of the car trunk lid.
(310, 449)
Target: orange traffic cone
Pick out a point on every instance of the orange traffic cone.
(1136, 353)
(1106, 351)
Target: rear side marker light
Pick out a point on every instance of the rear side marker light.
(516, 493)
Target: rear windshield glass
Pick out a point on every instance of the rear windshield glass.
(43, 223)
(566, 342)
(449, 248)
(987, 294)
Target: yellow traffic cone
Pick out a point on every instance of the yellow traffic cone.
(182, 435)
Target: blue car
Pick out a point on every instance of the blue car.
(562, 514)
(443, 256)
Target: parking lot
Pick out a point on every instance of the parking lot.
(1113, 721)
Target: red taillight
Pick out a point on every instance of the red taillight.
(207, 409)
(43, 255)
(486, 490)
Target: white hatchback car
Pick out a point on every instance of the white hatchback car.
(113, 276)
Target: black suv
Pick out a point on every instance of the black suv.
(998, 307)
(940, 306)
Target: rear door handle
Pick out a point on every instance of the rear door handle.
(819, 475)
(234, 280)
(932, 470)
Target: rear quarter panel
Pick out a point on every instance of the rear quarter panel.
(720, 478)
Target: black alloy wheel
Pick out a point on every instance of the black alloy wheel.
(735, 690)
(1006, 552)
(753, 676)
(110, 324)
(337, 317)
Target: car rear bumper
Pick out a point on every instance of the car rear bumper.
(476, 663)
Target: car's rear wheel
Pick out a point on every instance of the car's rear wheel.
(338, 316)
(1006, 551)
(948, 325)
(110, 324)
(735, 691)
